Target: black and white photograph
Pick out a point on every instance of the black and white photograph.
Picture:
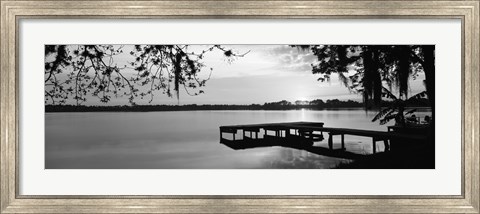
(239, 106)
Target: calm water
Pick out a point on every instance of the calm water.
(187, 139)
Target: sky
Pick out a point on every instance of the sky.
(267, 73)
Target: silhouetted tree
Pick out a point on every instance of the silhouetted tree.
(92, 70)
(317, 102)
(301, 102)
(374, 66)
(396, 108)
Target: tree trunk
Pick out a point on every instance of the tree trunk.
(429, 69)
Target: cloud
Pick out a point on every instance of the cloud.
(291, 59)
(278, 60)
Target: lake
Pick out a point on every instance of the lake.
(188, 139)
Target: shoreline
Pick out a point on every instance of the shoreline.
(65, 109)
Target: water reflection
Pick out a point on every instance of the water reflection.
(299, 159)
(184, 140)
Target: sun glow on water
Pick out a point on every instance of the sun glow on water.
(303, 116)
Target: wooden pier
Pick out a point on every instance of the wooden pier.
(310, 132)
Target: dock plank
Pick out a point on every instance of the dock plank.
(316, 126)
(306, 137)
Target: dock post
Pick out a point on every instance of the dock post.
(343, 141)
(243, 133)
(330, 140)
(387, 145)
(374, 145)
(233, 136)
(256, 135)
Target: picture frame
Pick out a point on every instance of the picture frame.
(13, 11)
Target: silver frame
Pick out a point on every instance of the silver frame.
(12, 11)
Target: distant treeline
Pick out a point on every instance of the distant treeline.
(281, 105)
